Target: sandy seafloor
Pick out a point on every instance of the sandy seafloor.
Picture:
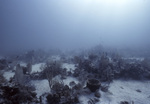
(119, 90)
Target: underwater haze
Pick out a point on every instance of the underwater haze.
(73, 24)
(74, 51)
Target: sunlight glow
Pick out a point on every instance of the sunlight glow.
(119, 2)
(110, 2)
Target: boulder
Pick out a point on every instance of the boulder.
(93, 84)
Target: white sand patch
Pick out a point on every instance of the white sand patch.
(70, 79)
(41, 86)
(67, 80)
(135, 58)
(55, 58)
(123, 91)
(69, 67)
(37, 67)
(84, 99)
(126, 91)
(23, 64)
(8, 75)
